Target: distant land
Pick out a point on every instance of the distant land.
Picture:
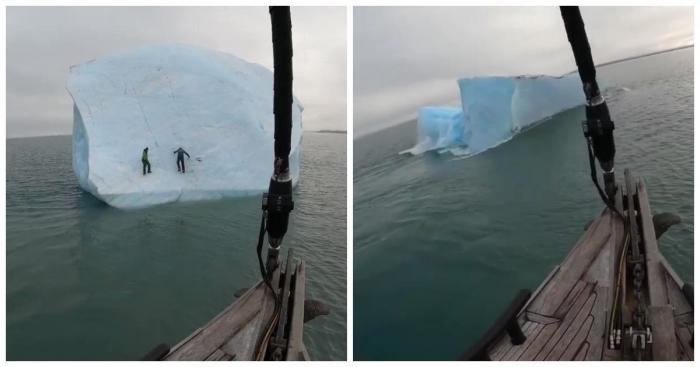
(330, 131)
(640, 56)
(361, 133)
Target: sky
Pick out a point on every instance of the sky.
(43, 42)
(408, 57)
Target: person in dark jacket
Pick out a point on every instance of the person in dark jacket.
(181, 159)
(145, 162)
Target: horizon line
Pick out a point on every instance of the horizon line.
(360, 134)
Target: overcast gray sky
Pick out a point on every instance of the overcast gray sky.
(409, 57)
(43, 42)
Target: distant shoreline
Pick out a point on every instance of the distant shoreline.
(360, 134)
(645, 55)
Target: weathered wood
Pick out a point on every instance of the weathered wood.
(227, 357)
(567, 316)
(574, 266)
(578, 340)
(582, 353)
(685, 337)
(598, 334)
(500, 347)
(676, 298)
(509, 346)
(221, 328)
(670, 272)
(565, 324)
(234, 333)
(531, 336)
(539, 342)
(576, 325)
(296, 342)
(664, 346)
(655, 272)
(216, 355)
(526, 328)
(569, 300)
(530, 333)
(545, 320)
(541, 287)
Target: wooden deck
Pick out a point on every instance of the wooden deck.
(567, 316)
(234, 333)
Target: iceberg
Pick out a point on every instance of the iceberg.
(215, 106)
(494, 109)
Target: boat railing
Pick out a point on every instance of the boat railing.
(508, 321)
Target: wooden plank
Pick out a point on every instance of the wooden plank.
(582, 353)
(569, 300)
(565, 324)
(578, 341)
(216, 355)
(655, 272)
(568, 336)
(540, 340)
(500, 347)
(221, 328)
(501, 353)
(669, 270)
(685, 337)
(664, 347)
(676, 298)
(296, 333)
(184, 341)
(546, 320)
(542, 286)
(574, 266)
(517, 350)
(598, 333)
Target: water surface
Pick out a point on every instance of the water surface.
(89, 282)
(443, 244)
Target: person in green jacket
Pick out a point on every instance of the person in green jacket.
(144, 160)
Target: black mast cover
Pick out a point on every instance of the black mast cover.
(599, 126)
(282, 53)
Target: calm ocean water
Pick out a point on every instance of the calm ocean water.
(442, 245)
(89, 282)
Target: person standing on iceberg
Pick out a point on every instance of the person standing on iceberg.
(181, 159)
(144, 160)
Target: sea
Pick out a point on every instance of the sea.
(86, 281)
(442, 243)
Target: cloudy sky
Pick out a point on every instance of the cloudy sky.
(409, 57)
(43, 42)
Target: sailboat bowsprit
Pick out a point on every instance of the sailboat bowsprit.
(614, 297)
(584, 309)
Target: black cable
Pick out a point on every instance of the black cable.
(266, 278)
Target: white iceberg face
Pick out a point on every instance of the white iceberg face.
(438, 128)
(494, 109)
(215, 106)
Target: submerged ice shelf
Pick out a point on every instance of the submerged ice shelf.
(494, 109)
(216, 106)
